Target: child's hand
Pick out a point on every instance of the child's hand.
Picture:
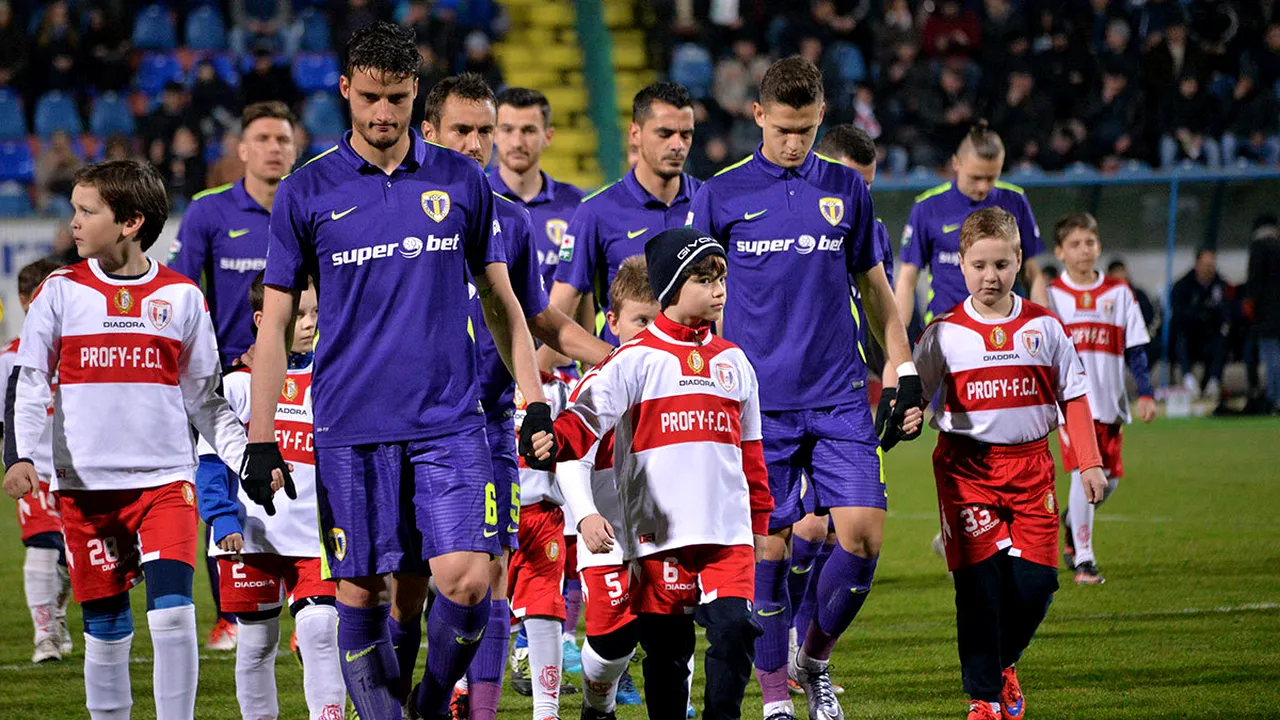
(21, 479)
(232, 543)
(597, 533)
(1147, 408)
(542, 444)
(1095, 485)
(912, 421)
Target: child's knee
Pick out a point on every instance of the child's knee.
(108, 618)
(730, 624)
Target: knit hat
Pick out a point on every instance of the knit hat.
(669, 254)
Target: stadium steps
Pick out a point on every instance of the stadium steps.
(541, 51)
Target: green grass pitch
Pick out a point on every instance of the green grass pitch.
(1187, 626)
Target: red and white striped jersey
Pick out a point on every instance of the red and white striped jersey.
(293, 531)
(127, 353)
(999, 381)
(42, 455)
(1103, 320)
(539, 485)
(682, 402)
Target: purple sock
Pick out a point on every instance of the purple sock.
(484, 699)
(772, 613)
(803, 554)
(803, 613)
(572, 605)
(454, 633)
(842, 589)
(406, 638)
(369, 666)
(484, 675)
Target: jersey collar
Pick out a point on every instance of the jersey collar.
(244, 200)
(972, 312)
(109, 279)
(646, 199)
(673, 332)
(1066, 280)
(545, 195)
(779, 172)
(412, 160)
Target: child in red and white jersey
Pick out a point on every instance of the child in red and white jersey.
(265, 558)
(1104, 321)
(45, 579)
(134, 351)
(1002, 367)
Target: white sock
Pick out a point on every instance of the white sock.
(688, 684)
(107, 691)
(321, 671)
(569, 638)
(462, 684)
(778, 707)
(41, 583)
(546, 661)
(1080, 517)
(600, 678)
(177, 658)
(256, 668)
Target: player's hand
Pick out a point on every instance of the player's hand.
(1095, 485)
(885, 408)
(21, 479)
(597, 533)
(264, 472)
(537, 437)
(233, 542)
(1147, 408)
(246, 358)
(910, 395)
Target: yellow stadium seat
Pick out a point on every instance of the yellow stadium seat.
(554, 15)
(619, 14)
(626, 57)
(554, 57)
(567, 99)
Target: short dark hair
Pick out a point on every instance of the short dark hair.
(30, 277)
(673, 94)
(793, 81)
(257, 290)
(130, 188)
(847, 141)
(982, 141)
(1074, 221)
(464, 86)
(1115, 265)
(520, 98)
(383, 47)
(273, 109)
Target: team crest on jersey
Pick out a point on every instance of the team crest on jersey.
(159, 313)
(1108, 307)
(436, 204)
(1086, 300)
(726, 377)
(1033, 341)
(997, 338)
(290, 389)
(553, 550)
(188, 493)
(555, 230)
(123, 300)
(832, 208)
(695, 361)
(338, 543)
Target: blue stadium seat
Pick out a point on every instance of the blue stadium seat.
(153, 29)
(322, 116)
(155, 70)
(847, 62)
(314, 72)
(206, 29)
(13, 124)
(315, 31)
(57, 111)
(110, 115)
(691, 67)
(225, 65)
(14, 201)
(16, 162)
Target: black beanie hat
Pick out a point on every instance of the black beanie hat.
(669, 253)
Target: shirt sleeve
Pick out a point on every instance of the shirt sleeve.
(199, 375)
(190, 249)
(1135, 326)
(483, 234)
(597, 404)
(929, 360)
(886, 250)
(199, 356)
(235, 388)
(578, 251)
(1071, 379)
(916, 248)
(751, 426)
(523, 265)
(1028, 229)
(290, 241)
(700, 215)
(861, 251)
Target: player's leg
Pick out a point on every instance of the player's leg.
(1080, 512)
(251, 588)
(408, 599)
(42, 584)
(612, 634)
(731, 628)
(807, 538)
(666, 598)
(535, 579)
(978, 625)
(315, 617)
(223, 635)
(108, 638)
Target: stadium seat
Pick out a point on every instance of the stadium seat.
(847, 62)
(691, 67)
(110, 115)
(16, 162)
(316, 71)
(322, 117)
(14, 201)
(57, 111)
(225, 66)
(206, 29)
(315, 31)
(12, 123)
(153, 29)
(155, 70)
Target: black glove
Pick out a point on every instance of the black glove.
(537, 418)
(910, 395)
(884, 409)
(260, 459)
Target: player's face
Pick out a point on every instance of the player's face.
(702, 296)
(93, 225)
(868, 172)
(974, 176)
(1079, 251)
(990, 266)
(664, 139)
(380, 105)
(631, 317)
(304, 322)
(521, 137)
(788, 132)
(465, 126)
(267, 150)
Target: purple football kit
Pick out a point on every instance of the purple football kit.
(549, 211)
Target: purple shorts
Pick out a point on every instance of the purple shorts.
(391, 507)
(820, 459)
(506, 479)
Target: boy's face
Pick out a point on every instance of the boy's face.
(94, 226)
(702, 297)
(990, 266)
(1079, 251)
(304, 322)
(630, 317)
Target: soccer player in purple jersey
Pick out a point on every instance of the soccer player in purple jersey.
(613, 223)
(797, 226)
(389, 226)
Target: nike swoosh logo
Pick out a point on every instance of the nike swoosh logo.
(860, 591)
(801, 570)
(356, 656)
(950, 228)
(754, 215)
(339, 215)
(512, 530)
(238, 233)
(465, 641)
(490, 533)
(632, 235)
(771, 613)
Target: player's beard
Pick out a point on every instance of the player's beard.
(384, 142)
(519, 162)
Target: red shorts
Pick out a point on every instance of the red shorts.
(993, 497)
(257, 581)
(38, 513)
(673, 582)
(111, 533)
(536, 574)
(1109, 441)
(608, 594)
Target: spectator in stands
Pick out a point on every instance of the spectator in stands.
(57, 45)
(1059, 61)
(55, 172)
(897, 26)
(268, 81)
(1170, 59)
(1156, 18)
(1186, 127)
(1199, 325)
(1023, 117)
(105, 50)
(184, 169)
(263, 21)
(1150, 312)
(947, 112)
(1097, 20)
(213, 100)
(1118, 49)
(1004, 38)
(1262, 300)
(228, 167)
(811, 48)
(845, 21)
(737, 85)
(1216, 24)
(13, 50)
(353, 15)
(903, 82)
(952, 33)
(174, 110)
(479, 60)
(430, 72)
(117, 147)
(1112, 119)
(1253, 127)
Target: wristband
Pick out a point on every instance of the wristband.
(907, 368)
